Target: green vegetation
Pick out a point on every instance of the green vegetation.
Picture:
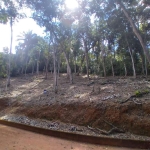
(141, 93)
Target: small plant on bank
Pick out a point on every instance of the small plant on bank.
(141, 93)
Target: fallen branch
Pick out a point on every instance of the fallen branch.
(137, 94)
(136, 102)
(132, 96)
(109, 123)
(91, 128)
(112, 131)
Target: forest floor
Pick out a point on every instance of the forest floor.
(112, 106)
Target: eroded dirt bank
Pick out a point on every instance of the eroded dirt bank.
(130, 118)
(100, 103)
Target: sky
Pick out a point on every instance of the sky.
(24, 25)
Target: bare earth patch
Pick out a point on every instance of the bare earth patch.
(98, 105)
(16, 139)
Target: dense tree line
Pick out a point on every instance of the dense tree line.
(103, 37)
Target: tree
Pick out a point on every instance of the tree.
(28, 48)
(11, 14)
(135, 30)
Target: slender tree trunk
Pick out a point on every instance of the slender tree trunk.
(104, 68)
(132, 59)
(32, 68)
(86, 58)
(98, 68)
(37, 67)
(103, 62)
(75, 66)
(87, 63)
(67, 72)
(51, 69)
(135, 30)
(46, 68)
(112, 67)
(133, 64)
(58, 63)
(9, 63)
(125, 69)
(37, 64)
(26, 67)
(25, 70)
(145, 66)
(69, 68)
(55, 73)
(99, 59)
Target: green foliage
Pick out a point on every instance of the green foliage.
(139, 93)
(3, 65)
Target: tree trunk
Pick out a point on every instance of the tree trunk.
(25, 70)
(103, 62)
(58, 63)
(133, 65)
(98, 68)
(9, 63)
(32, 68)
(51, 69)
(104, 68)
(69, 68)
(125, 69)
(135, 30)
(37, 67)
(87, 63)
(142, 65)
(37, 64)
(26, 67)
(67, 71)
(75, 66)
(112, 68)
(145, 67)
(55, 73)
(46, 68)
(86, 58)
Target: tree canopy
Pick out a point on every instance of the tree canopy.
(103, 37)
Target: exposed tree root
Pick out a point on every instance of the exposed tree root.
(132, 99)
(127, 99)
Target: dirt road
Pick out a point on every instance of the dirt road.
(16, 139)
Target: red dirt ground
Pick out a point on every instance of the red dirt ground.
(16, 139)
